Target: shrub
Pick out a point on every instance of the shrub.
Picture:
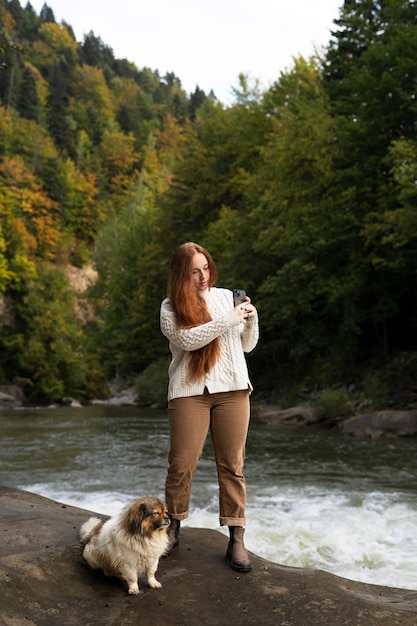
(151, 386)
(333, 401)
(374, 389)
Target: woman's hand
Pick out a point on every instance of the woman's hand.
(244, 310)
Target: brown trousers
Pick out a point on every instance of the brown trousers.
(226, 416)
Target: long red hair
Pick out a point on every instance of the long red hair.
(190, 306)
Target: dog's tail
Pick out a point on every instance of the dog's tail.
(90, 528)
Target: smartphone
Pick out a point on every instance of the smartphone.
(239, 296)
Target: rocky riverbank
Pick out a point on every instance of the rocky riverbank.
(364, 424)
(11, 397)
(44, 582)
(400, 423)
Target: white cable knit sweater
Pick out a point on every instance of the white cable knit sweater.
(230, 371)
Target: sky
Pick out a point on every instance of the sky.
(205, 43)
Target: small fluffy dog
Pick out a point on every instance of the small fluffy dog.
(130, 543)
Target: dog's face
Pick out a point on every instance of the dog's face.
(146, 516)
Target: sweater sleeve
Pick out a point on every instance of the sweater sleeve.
(189, 339)
(250, 333)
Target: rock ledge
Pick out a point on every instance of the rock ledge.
(44, 582)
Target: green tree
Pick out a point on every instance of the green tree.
(391, 246)
(59, 122)
(370, 76)
(30, 23)
(82, 212)
(197, 99)
(91, 105)
(43, 347)
(61, 57)
(306, 288)
(28, 103)
(214, 168)
(5, 274)
(9, 58)
(132, 264)
(118, 165)
(4, 47)
(127, 289)
(96, 53)
(47, 15)
(136, 112)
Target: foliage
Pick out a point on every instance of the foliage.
(375, 389)
(76, 126)
(7, 45)
(305, 194)
(304, 242)
(333, 402)
(44, 344)
(152, 384)
(131, 263)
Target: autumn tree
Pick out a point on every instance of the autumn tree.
(30, 220)
(132, 263)
(91, 104)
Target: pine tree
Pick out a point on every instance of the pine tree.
(196, 100)
(370, 74)
(47, 15)
(57, 107)
(28, 102)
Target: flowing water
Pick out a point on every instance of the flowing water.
(315, 498)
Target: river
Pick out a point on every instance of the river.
(315, 498)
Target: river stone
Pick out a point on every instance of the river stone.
(295, 415)
(382, 423)
(45, 582)
(11, 397)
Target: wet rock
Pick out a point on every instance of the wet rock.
(44, 582)
(382, 423)
(295, 415)
(120, 395)
(11, 397)
(126, 397)
(72, 402)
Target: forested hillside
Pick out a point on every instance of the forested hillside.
(305, 194)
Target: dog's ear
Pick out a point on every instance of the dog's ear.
(142, 511)
(135, 518)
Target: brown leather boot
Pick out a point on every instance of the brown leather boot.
(236, 551)
(173, 535)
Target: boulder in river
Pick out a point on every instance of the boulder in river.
(382, 423)
(11, 397)
(302, 414)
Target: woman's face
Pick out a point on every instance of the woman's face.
(201, 271)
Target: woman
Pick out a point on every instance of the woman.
(208, 390)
